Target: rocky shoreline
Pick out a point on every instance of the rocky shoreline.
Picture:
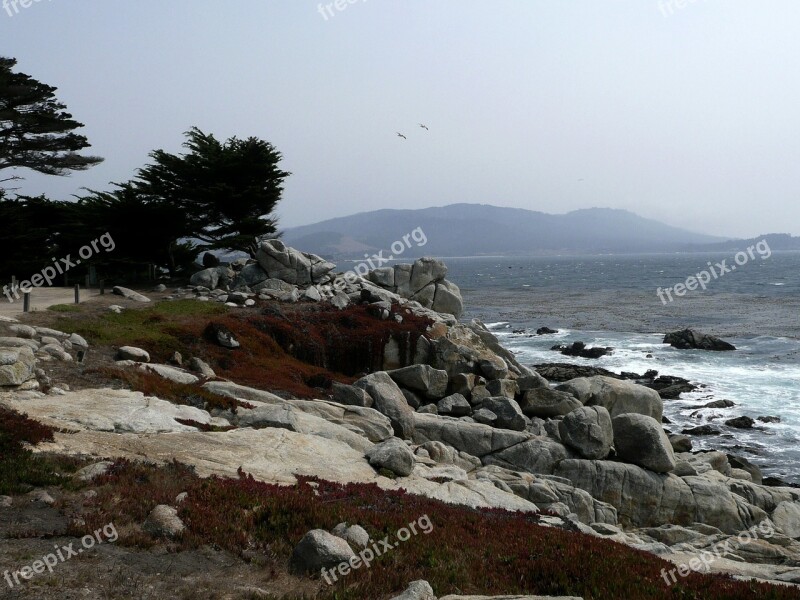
(444, 412)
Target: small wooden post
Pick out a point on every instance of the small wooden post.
(102, 287)
(77, 293)
(26, 302)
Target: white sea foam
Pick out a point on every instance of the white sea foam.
(761, 377)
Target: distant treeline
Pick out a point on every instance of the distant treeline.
(216, 196)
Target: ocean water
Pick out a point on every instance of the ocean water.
(612, 301)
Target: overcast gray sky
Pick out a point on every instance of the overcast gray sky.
(687, 115)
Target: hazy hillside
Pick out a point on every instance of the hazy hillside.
(778, 242)
(479, 229)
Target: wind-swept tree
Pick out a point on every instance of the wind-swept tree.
(36, 132)
(146, 231)
(29, 236)
(227, 191)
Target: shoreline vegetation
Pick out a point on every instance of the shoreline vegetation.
(241, 421)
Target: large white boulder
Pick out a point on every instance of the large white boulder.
(589, 431)
(641, 440)
(390, 401)
(17, 366)
(290, 265)
(615, 395)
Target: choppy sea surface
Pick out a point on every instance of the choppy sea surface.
(612, 301)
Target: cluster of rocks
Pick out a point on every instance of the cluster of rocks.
(184, 372)
(669, 387)
(604, 467)
(424, 282)
(710, 412)
(459, 419)
(288, 275)
(24, 346)
(592, 449)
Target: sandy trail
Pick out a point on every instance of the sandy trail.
(42, 298)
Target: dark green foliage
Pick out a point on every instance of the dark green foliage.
(218, 193)
(222, 194)
(145, 230)
(158, 329)
(35, 130)
(29, 235)
(225, 191)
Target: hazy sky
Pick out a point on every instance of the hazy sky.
(687, 115)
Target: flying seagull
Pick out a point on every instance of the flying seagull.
(425, 127)
(402, 136)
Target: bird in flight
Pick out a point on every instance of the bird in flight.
(425, 127)
(402, 136)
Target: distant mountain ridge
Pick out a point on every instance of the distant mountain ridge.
(485, 230)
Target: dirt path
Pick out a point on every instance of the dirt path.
(42, 298)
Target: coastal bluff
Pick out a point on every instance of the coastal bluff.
(378, 382)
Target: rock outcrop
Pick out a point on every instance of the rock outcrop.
(616, 396)
(424, 282)
(588, 431)
(640, 440)
(16, 366)
(644, 498)
(287, 264)
(690, 339)
(389, 400)
(460, 419)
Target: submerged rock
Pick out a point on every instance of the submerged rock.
(741, 423)
(561, 372)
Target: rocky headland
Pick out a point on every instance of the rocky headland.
(280, 372)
